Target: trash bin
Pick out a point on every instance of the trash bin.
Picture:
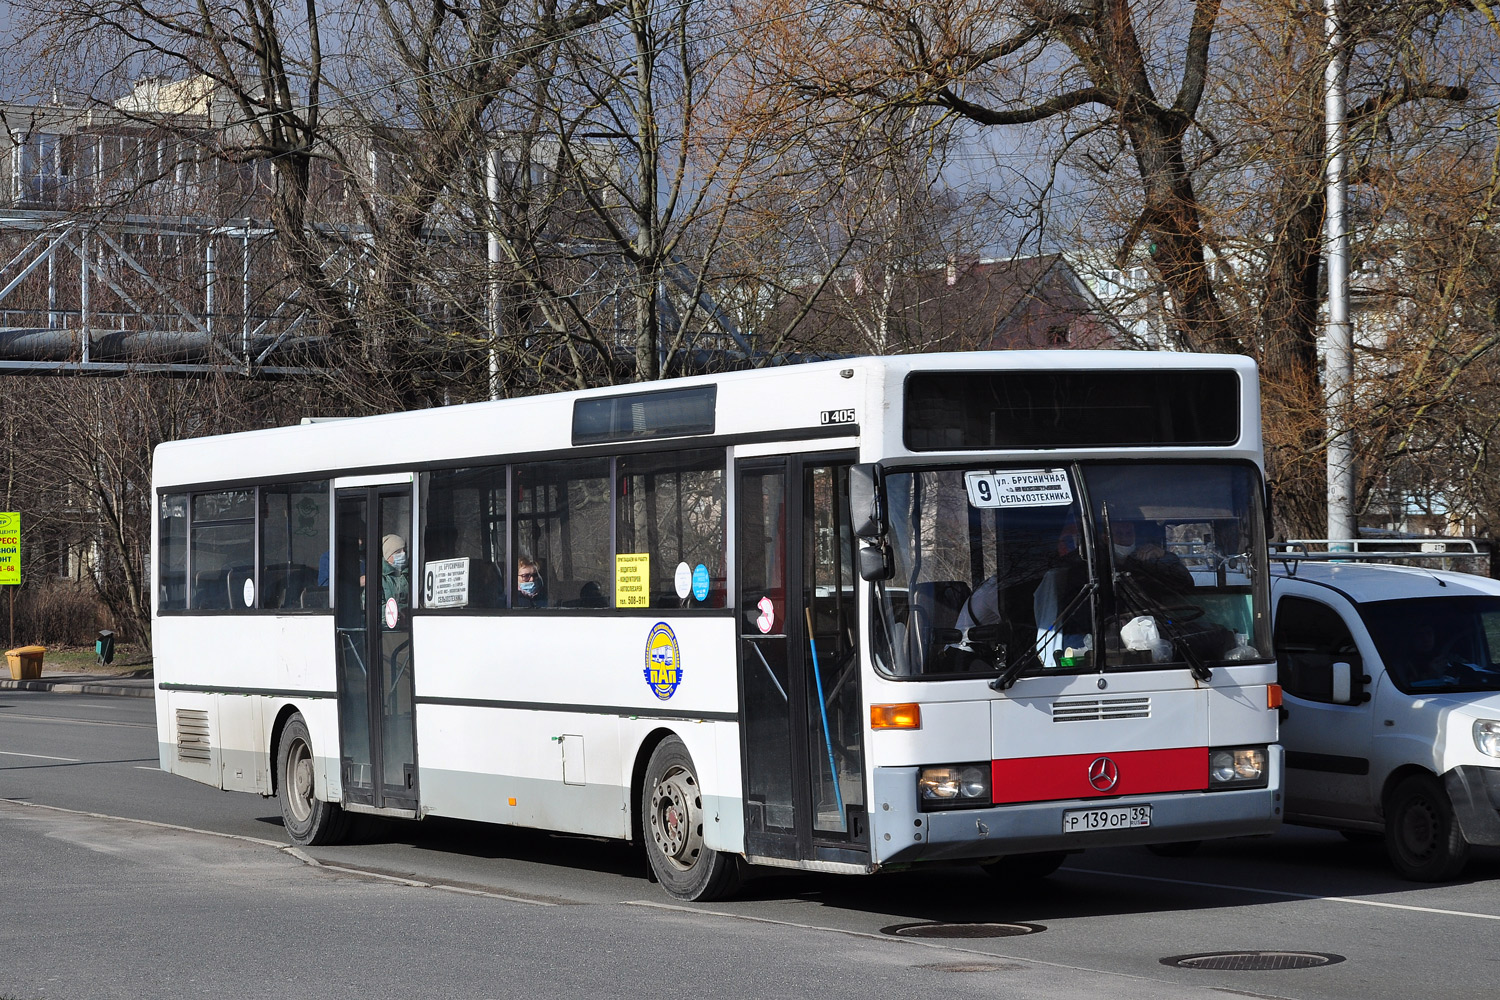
(25, 662)
(104, 646)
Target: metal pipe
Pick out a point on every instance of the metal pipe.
(496, 304)
(1338, 364)
(83, 296)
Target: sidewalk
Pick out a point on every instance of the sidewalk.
(83, 683)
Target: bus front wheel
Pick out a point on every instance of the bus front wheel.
(308, 819)
(672, 825)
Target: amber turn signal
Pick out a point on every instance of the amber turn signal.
(907, 716)
(1273, 696)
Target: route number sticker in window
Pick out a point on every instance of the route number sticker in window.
(1019, 488)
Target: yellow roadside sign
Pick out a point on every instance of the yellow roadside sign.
(10, 548)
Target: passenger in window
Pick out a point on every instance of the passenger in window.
(531, 589)
(1150, 576)
(395, 572)
(1064, 617)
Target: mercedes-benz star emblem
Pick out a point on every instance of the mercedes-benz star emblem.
(1104, 774)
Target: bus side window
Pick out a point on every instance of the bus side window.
(464, 517)
(221, 538)
(172, 552)
(293, 539)
(671, 507)
(561, 513)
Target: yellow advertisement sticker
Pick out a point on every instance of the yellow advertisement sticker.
(10, 548)
(633, 580)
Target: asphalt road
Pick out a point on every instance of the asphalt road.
(117, 880)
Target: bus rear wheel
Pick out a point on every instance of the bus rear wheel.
(672, 827)
(308, 819)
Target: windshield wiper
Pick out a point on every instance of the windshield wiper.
(1125, 583)
(1028, 657)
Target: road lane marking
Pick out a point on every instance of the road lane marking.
(1291, 895)
(38, 756)
(79, 722)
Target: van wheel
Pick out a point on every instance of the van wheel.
(1022, 868)
(1421, 835)
(308, 819)
(672, 827)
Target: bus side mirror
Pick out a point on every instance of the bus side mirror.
(875, 561)
(865, 514)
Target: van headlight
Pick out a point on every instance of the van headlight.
(1487, 736)
(951, 785)
(1236, 767)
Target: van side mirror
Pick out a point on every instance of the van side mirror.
(1343, 683)
(865, 515)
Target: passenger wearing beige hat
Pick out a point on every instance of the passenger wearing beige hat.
(395, 572)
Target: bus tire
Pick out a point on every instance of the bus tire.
(308, 819)
(672, 828)
(1422, 837)
(1023, 868)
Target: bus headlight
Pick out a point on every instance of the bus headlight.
(954, 785)
(1236, 767)
(1487, 736)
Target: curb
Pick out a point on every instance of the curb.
(85, 687)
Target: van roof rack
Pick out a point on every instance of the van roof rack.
(1295, 550)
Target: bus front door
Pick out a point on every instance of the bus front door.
(377, 729)
(800, 704)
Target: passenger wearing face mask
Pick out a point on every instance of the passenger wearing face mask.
(395, 572)
(531, 590)
(1157, 577)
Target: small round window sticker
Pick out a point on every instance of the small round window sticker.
(767, 619)
(249, 593)
(700, 582)
(392, 612)
(683, 580)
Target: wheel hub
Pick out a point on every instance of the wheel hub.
(674, 823)
(300, 783)
(1419, 830)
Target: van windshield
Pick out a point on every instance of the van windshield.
(1014, 570)
(1438, 644)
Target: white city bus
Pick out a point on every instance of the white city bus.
(842, 616)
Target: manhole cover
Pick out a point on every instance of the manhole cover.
(933, 930)
(1254, 961)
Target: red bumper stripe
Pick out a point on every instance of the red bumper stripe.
(1086, 776)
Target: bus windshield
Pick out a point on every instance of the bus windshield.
(1078, 567)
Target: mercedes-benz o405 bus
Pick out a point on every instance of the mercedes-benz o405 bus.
(844, 616)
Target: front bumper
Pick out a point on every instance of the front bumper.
(901, 833)
(1475, 794)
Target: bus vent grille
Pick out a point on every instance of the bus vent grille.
(1098, 709)
(192, 734)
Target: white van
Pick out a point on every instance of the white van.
(1391, 712)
